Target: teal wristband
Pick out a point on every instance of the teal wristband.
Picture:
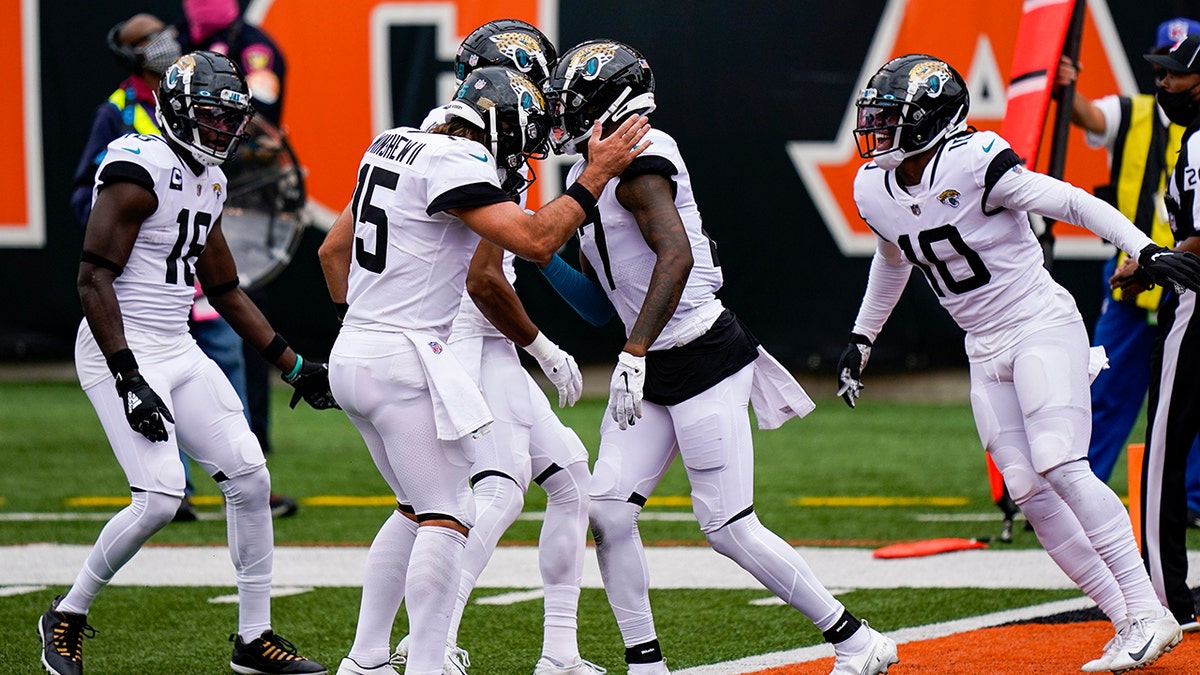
(296, 368)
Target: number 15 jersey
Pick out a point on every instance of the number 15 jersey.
(983, 264)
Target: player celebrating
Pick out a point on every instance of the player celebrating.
(952, 202)
(693, 363)
(155, 226)
(528, 442)
(398, 256)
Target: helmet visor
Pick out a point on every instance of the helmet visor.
(878, 128)
(219, 127)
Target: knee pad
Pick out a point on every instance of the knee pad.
(154, 509)
(612, 519)
(255, 485)
(724, 539)
(569, 484)
(1022, 481)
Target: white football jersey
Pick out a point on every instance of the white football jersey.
(984, 266)
(156, 289)
(613, 244)
(410, 255)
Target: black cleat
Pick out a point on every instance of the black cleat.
(283, 506)
(62, 636)
(270, 654)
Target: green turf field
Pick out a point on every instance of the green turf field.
(888, 471)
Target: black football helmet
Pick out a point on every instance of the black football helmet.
(909, 105)
(601, 80)
(204, 106)
(510, 43)
(511, 111)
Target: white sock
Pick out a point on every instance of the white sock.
(560, 557)
(623, 568)
(1107, 526)
(777, 566)
(434, 571)
(383, 589)
(498, 502)
(121, 538)
(1063, 537)
(251, 546)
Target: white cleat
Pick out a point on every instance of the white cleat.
(1147, 638)
(455, 662)
(351, 667)
(546, 666)
(876, 659)
(1100, 665)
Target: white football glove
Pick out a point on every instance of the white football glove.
(625, 390)
(560, 367)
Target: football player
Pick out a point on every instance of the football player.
(528, 442)
(684, 379)
(398, 256)
(952, 202)
(154, 228)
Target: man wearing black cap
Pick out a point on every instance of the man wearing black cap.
(1173, 420)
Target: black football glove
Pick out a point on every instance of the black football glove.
(144, 410)
(850, 367)
(1165, 266)
(311, 384)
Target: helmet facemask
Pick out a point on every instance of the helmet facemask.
(909, 106)
(598, 81)
(202, 108)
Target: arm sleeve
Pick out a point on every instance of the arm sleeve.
(580, 292)
(885, 283)
(1038, 193)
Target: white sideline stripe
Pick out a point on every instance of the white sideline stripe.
(7, 591)
(512, 598)
(753, 664)
(276, 592)
(694, 567)
(997, 518)
(673, 516)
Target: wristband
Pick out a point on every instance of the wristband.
(582, 196)
(121, 361)
(541, 348)
(295, 368)
(274, 349)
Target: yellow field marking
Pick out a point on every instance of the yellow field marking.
(348, 500)
(3, 500)
(670, 500)
(880, 501)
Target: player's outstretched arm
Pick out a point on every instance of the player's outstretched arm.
(499, 303)
(536, 237)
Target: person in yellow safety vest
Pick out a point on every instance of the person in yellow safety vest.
(144, 46)
(1142, 145)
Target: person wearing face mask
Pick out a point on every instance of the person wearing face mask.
(1173, 420)
(1142, 146)
(145, 47)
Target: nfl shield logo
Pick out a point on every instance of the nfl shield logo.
(916, 209)
(437, 348)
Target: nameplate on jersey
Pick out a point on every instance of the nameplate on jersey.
(399, 148)
(176, 179)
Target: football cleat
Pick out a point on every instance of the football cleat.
(62, 636)
(455, 662)
(270, 654)
(351, 667)
(1146, 639)
(547, 666)
(1100, 665)
(876, 659)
